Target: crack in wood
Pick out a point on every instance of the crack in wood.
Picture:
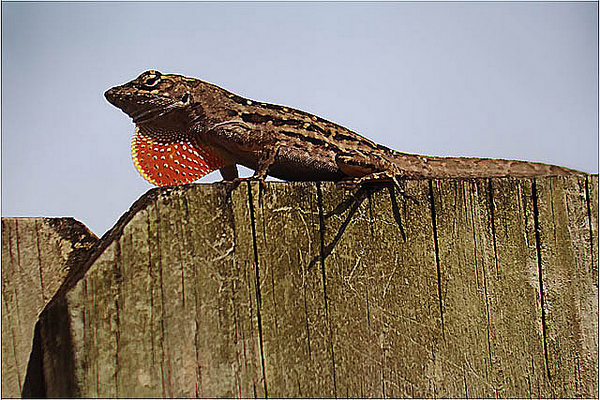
(257, 285)
(396, 210)
(437, 255)
(493, 224)
(588, 202)
(538, 247)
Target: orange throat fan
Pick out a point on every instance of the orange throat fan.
(171, 162)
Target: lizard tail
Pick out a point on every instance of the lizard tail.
(459, 167)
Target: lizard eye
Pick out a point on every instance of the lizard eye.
(185, 98)
(151, 81)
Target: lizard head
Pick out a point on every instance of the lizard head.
(151, 95)
(164, 150)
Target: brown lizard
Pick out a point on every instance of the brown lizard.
(186, 128)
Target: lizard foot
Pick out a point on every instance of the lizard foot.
(234, 183)
(383, 178)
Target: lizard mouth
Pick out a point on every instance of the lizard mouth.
(142, 116)
(145, 115)
(141, 109)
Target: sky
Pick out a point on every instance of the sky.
(504, 80)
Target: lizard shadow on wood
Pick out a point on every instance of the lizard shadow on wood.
(352, 204)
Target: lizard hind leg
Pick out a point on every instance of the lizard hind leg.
(355, 165)
(171, 162)
(382, 176)
(360, 169)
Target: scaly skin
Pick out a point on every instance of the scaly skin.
(223, 129)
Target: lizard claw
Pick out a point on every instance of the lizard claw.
(252, 178)
(234, 183)
(383, 178)
(376, 178)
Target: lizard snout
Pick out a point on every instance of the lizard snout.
(110, 95)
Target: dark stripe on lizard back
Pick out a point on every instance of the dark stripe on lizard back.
(310, 139)
(338, 131)
(261, 118)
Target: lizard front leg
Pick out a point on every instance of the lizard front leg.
(267, 158)
(256, 149)
(229, 172)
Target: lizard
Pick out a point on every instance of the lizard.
(186, 128)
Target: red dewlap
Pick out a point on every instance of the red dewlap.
(171, 163)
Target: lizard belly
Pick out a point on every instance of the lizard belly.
(305, 162)
(299, 171)
(296, 165)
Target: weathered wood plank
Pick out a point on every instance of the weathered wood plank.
(513, 292)
(569, 291)
(37, 253)
(453, 288)
(382, 292)
(291, 297)
(171, 319)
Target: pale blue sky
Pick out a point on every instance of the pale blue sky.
(505, 80)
